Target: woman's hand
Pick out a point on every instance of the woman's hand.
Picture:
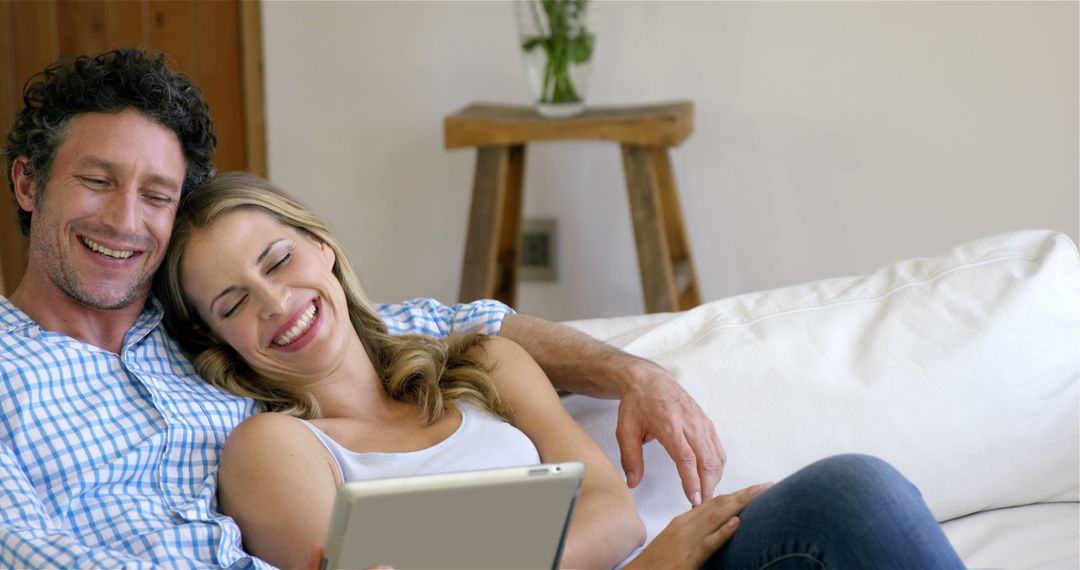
(694, 535)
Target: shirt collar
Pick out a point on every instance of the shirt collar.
(148, 320)
(12, 319)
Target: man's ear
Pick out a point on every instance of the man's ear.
(24, 183)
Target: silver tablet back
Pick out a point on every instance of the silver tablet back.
(495, 518)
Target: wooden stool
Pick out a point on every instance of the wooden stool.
(500, 132)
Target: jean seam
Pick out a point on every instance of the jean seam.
(792, 555)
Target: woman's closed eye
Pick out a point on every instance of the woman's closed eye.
(284, 259)
(236, 307)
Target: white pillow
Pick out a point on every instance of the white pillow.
(960, 370)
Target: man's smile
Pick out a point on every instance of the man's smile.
(107, 251)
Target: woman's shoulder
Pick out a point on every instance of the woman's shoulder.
(495, 349)
(272, 446)
(270, 423)
(272, 433)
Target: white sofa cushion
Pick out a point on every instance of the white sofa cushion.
(961, 370)
(1044, 535)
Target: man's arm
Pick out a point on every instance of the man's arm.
(427, 316)
(30, 539)
(652, 404)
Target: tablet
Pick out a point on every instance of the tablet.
(514, 517)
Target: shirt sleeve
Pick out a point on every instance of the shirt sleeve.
(30, 538)
(429, 317)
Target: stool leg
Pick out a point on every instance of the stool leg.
(679, 245)
(667, 273)
(510, 232)
(490, 267)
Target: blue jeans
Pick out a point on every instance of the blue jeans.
(846, 511)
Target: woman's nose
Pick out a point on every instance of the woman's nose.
(275, 302)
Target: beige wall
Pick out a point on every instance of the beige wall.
(831, 138)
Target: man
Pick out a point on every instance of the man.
(109, 442)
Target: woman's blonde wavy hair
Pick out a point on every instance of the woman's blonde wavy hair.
(434, 374)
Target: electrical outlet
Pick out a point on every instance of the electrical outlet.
(536, 254)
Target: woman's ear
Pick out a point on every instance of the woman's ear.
(203, 332)
(327, 253)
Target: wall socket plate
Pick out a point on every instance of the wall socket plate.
(537, 250)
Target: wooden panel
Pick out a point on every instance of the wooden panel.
(8, 86)
(172, 30)
(654, 125)
(217, 70)
(12, 243)
(253, 88)
(95, 26)
(127, 24)
(25, 49)
(36, 42)
(81, 26)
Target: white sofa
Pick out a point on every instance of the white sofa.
(961, 370)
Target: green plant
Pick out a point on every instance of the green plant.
(561, 33)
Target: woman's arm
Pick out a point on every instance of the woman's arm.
(605, 526)
(278, 482)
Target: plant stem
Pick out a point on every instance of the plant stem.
(560, 49)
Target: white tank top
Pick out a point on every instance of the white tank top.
(482, 441)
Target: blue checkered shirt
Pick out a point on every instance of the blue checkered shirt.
(111, 460)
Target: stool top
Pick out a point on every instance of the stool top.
(487, 124)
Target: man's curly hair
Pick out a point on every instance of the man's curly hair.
(109, 83)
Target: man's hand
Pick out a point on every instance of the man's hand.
(654, 406)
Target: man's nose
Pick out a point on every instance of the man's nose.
(122, 211)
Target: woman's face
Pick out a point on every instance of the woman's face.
(268, 291)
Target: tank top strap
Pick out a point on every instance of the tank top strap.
(337, 452)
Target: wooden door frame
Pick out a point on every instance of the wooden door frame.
(254, 84)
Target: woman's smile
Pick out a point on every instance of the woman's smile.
(301, 328)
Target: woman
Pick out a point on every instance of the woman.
(260, 295)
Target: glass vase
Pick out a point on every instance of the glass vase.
(557, 48)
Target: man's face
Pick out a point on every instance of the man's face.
(102, 227)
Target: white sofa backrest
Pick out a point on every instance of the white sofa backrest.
(961, 370)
